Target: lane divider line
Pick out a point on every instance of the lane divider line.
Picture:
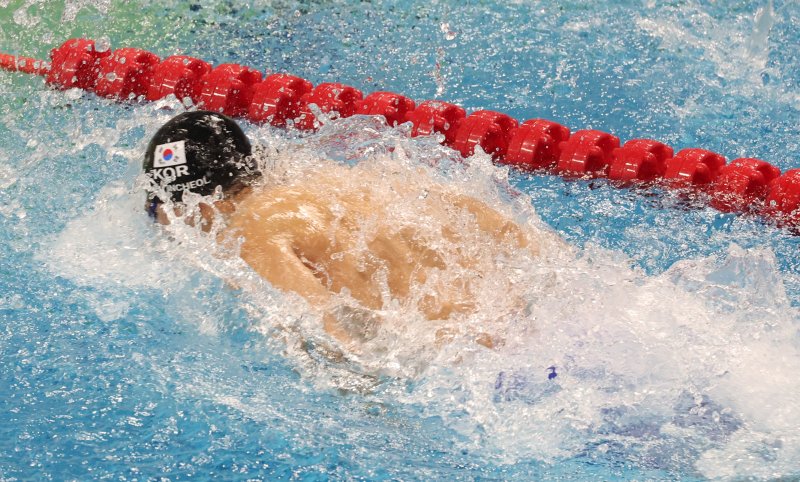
(745, 185)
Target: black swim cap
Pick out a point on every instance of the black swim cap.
(198, 151)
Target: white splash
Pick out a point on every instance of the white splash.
(758, 43)
(108, 245)
(738, 47)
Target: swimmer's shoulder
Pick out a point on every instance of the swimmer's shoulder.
(316, 187)
(291, 211)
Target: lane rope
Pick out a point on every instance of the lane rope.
(745, 185)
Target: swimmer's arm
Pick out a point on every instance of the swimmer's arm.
(492, 222)
(279, 263)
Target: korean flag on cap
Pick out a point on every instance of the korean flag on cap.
(170, 154)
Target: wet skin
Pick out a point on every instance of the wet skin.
(372, 236)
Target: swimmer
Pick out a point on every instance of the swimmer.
(334, 233)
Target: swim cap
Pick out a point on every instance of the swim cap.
(198, 151)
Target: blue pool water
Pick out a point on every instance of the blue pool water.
(125, 353)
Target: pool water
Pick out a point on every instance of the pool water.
(672, 328)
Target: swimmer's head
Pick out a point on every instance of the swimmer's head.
(198, 151)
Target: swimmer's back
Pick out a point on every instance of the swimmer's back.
(370, 231)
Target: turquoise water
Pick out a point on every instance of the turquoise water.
(125, 353)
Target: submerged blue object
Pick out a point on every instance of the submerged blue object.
(516, 385)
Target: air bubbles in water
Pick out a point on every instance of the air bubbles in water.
(438, 77)
(8, 177)
(102, 44)
(72, 7)
(74, 93)
(448, 33)
(23, 18)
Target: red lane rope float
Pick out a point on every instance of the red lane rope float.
(125, 74)
(278, 99)
(639, 160)
(536, 144)
(434, 116)
(746, 185)
(179, 75)
(229, 89)
(741, 183)
(75, 64)
(329, 98)
(783, 200)
(393, 107)
(23, 64)
(587, 153)
(693, 168)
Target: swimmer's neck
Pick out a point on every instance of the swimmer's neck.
(224, 207)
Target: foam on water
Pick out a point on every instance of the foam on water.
(693, 369)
